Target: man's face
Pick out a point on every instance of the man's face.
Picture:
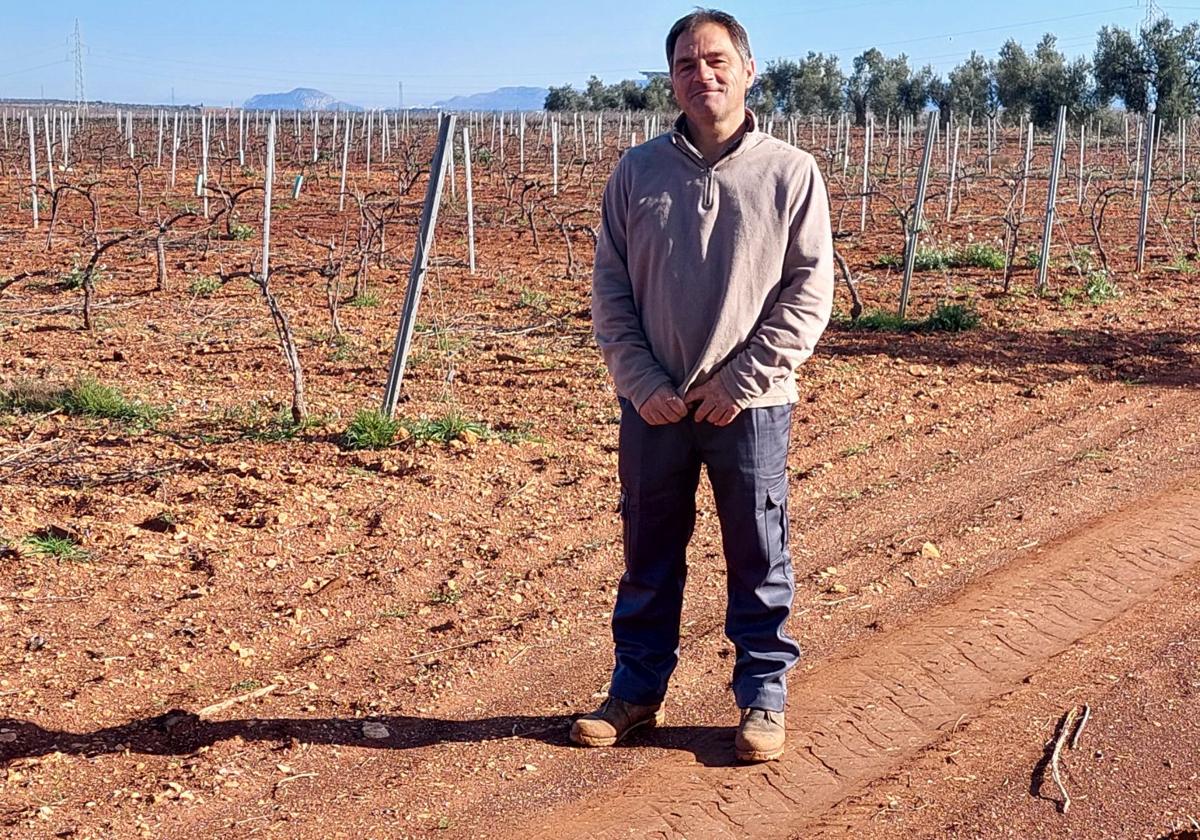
(708, 75)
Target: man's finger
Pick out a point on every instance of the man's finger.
(707, 408)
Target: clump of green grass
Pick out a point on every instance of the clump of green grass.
(31, 396)
(1100, 289)
(532, 299)
(74, 279)
(946, 317)
(980, 255)
(937, 258)
(205, 286)
(370, 429)
(88, 397)
(515, 433)
(241, 231)
(1083, 257)
(52, 544)
(882, 321)
(951, 317)
(1183, 265)
(450, 426)
(365, 300)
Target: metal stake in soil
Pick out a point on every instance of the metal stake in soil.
(914, 231)
(1060, 139)
(1147, 173)
(470, 198)
(420, 261)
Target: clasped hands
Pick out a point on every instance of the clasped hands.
(716, 405)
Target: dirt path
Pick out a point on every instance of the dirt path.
(861, 716)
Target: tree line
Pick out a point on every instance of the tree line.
(1156, 68)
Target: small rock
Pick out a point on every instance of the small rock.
(930, 551)
(375, 729)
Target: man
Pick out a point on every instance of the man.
(713, 281)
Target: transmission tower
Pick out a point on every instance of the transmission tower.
(78, 51)
(1153, 13)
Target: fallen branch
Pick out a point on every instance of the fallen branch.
(1067, 726)
(233, 701)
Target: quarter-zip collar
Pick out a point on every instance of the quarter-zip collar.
(682, 142)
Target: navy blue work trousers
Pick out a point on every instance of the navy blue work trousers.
(659, 469)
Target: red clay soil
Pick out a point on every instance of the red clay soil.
(264, 633)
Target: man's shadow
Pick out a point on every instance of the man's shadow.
(180, 732)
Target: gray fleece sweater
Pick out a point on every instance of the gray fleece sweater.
(722, 270)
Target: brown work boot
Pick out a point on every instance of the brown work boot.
(613, 721)
(760, 735)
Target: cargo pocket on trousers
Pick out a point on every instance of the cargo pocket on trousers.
(776, 520)
(623, 511)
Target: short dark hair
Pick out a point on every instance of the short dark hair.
(692, 22)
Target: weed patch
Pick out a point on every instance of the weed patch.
(370, 429)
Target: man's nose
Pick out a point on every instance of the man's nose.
(704, 70)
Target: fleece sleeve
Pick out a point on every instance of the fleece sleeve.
(786, 336)
(615, 319)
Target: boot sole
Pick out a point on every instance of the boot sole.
(589, 741)
(758, 756)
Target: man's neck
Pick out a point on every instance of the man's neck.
(713, 140)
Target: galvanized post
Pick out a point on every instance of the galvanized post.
(49, 150)
(1147, 173)
(914, 231)
(1082, 144)
(367, 128)
(345, 160)
(1028, 162)
(1183, 149)
(416, 276)
(270, 180)
(470, 198)
(1060, 139)
(33, 172)
(554, 161)
(953, 174)
(204, 161)
(174, 146)
(450, 168)
(868, 138)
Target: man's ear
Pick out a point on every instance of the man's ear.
(753, 70)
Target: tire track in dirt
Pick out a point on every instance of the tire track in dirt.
(1038, 444)
(856, 717)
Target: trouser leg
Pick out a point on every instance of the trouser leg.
(747, 465)
(659, 470)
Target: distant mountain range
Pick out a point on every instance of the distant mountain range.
(300, 99)
(310, 99)
(501, 99)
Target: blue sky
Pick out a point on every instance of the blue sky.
(220, 52)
